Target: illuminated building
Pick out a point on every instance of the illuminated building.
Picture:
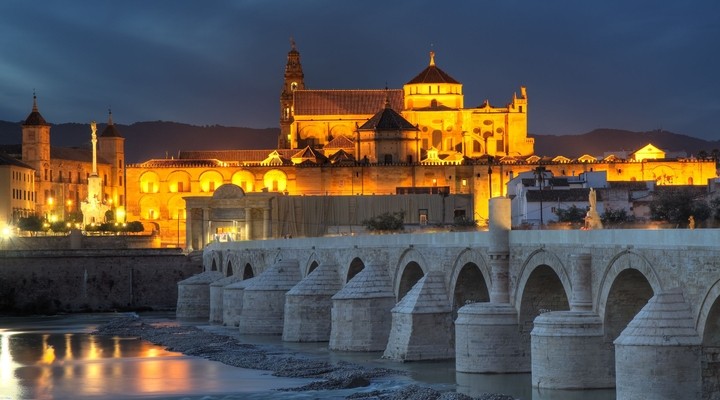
(416, 140)
(17, 190)
(61, 173)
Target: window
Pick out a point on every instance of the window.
(423, 216)
(211, 186)
(388, 158)
(180, 187)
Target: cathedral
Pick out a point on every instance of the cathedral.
(345, 155)
(427, 113)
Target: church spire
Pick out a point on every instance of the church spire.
(432, 58)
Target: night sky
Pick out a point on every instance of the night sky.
(637, 65)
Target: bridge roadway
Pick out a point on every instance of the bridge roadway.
(554, 303)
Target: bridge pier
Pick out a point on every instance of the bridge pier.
(658, 356)
(233, 301)
(216, 297)
(487, 335)
(264, 299)
(422, 327)
(308, 305)
(361, 315)
(568, 347)
(194, 295)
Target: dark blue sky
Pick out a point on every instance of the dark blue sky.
(637, 65)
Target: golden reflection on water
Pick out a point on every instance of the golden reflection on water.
(7, 366)
(42, 365)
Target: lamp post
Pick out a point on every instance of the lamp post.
(540, 175)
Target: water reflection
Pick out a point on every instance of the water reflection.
(60, 365)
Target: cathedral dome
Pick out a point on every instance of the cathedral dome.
(432, 74)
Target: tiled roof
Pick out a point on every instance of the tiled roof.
(177, 163)
(340, 142)
(35, 119)
(110, 131)
(342, 157)
(388, 119)
(5, 159)
(308, 154)
(235, 155)
(432, 74)
(339, 102)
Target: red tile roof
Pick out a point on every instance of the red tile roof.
(339, 102)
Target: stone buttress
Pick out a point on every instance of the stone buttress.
(361, 315)
(308, 304)
(422, 326)
(568, 347)
(233, 301)
(487, 335)
(194, 295)
(658, 356)
(216, 297)
(263, 305)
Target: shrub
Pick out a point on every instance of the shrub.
(386, 222)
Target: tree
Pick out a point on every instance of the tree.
(676, 205)
(386, 222)
(571, 214)
(31, 223)
(611, 216)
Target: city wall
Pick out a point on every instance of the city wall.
(50, 281)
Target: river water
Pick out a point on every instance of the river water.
(57, 357)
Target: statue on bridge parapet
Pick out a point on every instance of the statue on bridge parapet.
(592, 219)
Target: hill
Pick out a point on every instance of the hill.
(161, 139)
(599, 141)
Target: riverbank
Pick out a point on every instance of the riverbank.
(194, 341)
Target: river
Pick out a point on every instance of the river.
(57, 357)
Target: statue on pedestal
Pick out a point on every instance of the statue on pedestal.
(592, 219)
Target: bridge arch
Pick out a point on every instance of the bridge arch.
(212, 261)
(543, 285)
(708, 319)
(628, 282)
(409, 270)
(471, 280)
(248, 272)
(311, 264)
(708, 326)
(356, 265)
(538, 258)
(231, 261)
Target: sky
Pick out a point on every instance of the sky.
(638, 65)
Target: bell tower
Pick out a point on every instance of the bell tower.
(36, 142)
(294, 80)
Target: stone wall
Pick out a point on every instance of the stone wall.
(92, 280)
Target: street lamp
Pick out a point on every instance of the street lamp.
(540, 176)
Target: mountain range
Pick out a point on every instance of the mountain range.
(162, 139)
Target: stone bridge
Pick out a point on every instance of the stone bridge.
(638, 310)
